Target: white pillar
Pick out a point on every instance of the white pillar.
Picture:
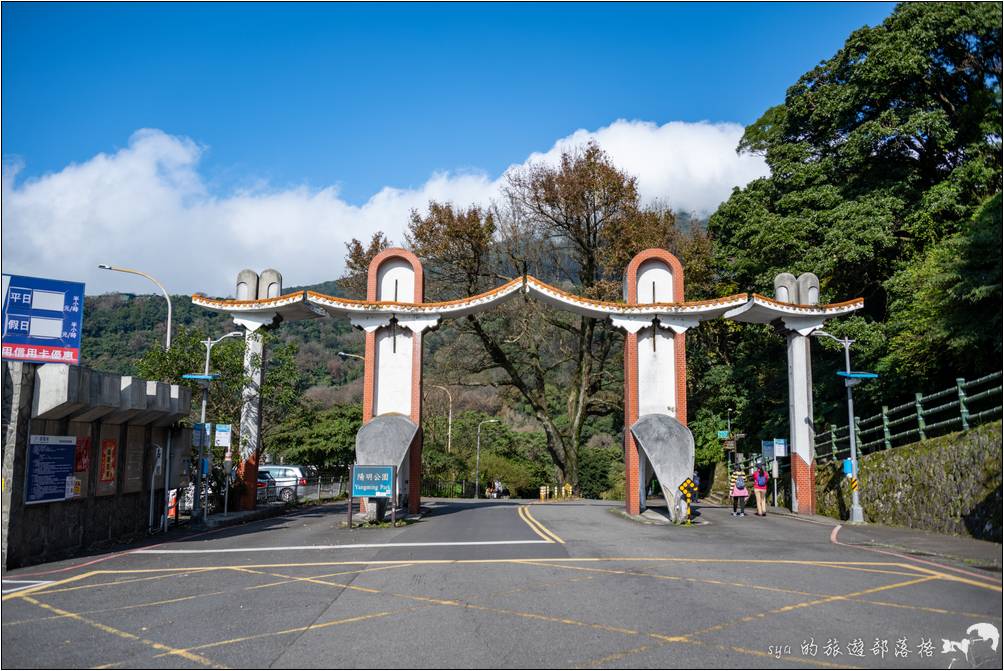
(800, 418)
(254, 353)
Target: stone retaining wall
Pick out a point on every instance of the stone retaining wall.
(950, 484)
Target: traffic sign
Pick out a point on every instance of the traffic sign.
(780, 447)
(848, 467)
(222, 438)
(373, 481)
(43, 319)
(729, 444)
(723, 435)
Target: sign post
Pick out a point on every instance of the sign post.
(42, 319)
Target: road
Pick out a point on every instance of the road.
(500, 584)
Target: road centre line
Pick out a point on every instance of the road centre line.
(521, 511)
(535, 524)
(353, 546)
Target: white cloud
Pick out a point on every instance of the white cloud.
(147, 206)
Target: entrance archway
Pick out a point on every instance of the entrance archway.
(653, 316)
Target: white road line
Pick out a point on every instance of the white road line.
(335, 547)
(22, 584)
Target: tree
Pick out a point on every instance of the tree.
(324, 438)
(877, 156)
(281, 386)
(576, 224)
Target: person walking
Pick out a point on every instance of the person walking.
(760, 479)
(737, 482)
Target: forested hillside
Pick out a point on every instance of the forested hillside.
(885, 182)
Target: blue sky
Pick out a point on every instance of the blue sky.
(350, 100)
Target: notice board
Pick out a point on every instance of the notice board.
(49, 471)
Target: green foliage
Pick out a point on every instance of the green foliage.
(594, 470)
(281, 386)
(323, 438)
(880, 157)
(707, 446)
(617, 480)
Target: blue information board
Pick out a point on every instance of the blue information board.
(50, 463)
(767, 448)
(42, 319)
(373, 481)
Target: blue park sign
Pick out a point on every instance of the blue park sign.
(43, 319)
(373, 481)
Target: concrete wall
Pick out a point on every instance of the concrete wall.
(106, 511)
(950, 484)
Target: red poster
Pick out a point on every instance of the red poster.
(109, 461)
(82, 457)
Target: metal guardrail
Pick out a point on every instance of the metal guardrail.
(971, 403)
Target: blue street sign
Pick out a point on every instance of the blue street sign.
(857, 374)
(767, 448)
(723, 435)
(848, 468)
(43, 319)
(373, 481)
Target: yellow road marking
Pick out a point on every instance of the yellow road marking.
(956, 578)
(614, 657)
(126, 635)
(548, 532)
(164, 602)
(522, 515)
(296, 630)
(38, 588)
(119, 582)
(194, 596)
(808, 604)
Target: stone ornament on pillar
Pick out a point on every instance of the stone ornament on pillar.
(251, 286)
(803, 290)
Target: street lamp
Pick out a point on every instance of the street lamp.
(449, 416)
(477, 461)
(345, 355)
(851, 378)
(205, 379)
(105, 266)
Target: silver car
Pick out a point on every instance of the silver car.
(290, 479)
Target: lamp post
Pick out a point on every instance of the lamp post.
(167, 297)
(730, 437)
(477, 461)
(449, 417)
(851, 378)
(205, 379)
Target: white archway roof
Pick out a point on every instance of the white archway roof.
(370, 315)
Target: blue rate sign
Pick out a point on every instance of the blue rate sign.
(373, 481)
(50, 463)
(42, 319)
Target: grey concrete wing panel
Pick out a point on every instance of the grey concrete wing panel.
(180, 406)
(384, 440)
(60, 390)
(132, 400)
(158, 403)
(669, 446)
(104, 396)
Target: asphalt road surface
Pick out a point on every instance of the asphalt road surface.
(503, 584)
